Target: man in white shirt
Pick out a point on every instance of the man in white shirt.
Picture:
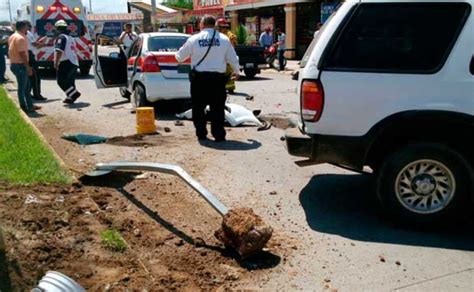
(127, 37)
(34, 86)
(210, 52)
(281, 39)
(66, 62)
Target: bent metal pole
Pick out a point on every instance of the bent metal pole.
(168, 169)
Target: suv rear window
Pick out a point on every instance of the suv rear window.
(397, 37)
(166, 43)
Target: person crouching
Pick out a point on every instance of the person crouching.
(66, 62)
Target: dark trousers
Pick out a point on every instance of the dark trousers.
(281, 59)
(22, 80)
(66, 77)
(34, 86)
(3, 67)
(208, 88)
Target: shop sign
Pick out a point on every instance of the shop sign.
(328, 8)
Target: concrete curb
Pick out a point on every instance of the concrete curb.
(28, 121)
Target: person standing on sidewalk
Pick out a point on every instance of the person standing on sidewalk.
(34, 88)
(20, 66)
(281, 38)
(3, 54)
(127, 37)
(210, 52)
(223, 27)
(65, 62)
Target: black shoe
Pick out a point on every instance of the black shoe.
(218, 140)
(202, 138)
(72, 99)
(40, 98)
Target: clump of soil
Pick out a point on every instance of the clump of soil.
(244, 231)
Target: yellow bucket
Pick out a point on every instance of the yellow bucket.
(145, 120)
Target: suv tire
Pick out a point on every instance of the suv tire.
(426, 184)
(140, 96)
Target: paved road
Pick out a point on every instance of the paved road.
(342, 242)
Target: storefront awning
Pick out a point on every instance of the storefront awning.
(252, 4)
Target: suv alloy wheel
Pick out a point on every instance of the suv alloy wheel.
(425, 184)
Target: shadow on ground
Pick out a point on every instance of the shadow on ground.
(77, 105)
(244, 78)
(232, 145)
(346, 205)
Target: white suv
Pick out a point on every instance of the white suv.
(390, 85)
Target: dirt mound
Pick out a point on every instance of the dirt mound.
(245, 231)
(59, 228)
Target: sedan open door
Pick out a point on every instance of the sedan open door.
(110, 64)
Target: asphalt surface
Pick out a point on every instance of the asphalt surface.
(341, 240)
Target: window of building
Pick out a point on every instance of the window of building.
(397, 37)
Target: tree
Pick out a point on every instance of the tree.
(179, 4)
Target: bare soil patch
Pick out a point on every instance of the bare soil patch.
(150, 140)
(168, 231)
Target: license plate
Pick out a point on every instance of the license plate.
(184, 69)
(248, 65)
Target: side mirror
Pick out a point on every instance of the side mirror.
(114, 55)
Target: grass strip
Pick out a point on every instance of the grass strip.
(24, 158)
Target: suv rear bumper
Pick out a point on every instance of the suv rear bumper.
(298, 144)
(340, 150)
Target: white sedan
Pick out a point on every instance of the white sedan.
(148, 71)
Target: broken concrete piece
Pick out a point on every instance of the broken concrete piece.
(244, 231)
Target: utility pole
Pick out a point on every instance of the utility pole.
(10, 11)
(153, 13)
(90, 6)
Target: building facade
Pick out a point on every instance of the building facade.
(297, 18)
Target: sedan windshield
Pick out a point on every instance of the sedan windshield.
(166, 43)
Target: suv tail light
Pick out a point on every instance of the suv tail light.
(312, 100)
(150, 64)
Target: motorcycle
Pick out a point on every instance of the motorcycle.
(271, 57)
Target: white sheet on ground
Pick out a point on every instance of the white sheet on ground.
(238, 115)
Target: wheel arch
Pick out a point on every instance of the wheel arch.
(414, 126)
